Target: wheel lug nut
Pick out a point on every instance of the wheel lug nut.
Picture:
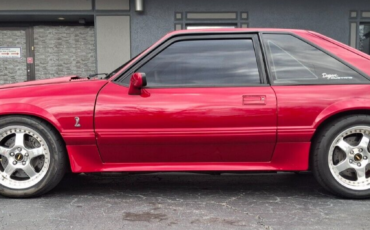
(352, 152)
(365, 158)
(26, 155)
(12, 154)
(23, 163)
(361, 150)
(14, 162)
(19, 149)
(351, 161)
(359, 164)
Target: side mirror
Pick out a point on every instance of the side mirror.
(138, 81)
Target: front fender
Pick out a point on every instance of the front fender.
(30, 110)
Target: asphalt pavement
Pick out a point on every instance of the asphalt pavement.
(186, 201)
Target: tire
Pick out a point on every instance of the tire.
(33, 157)
(340, 157)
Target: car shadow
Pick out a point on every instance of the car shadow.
(178, 184)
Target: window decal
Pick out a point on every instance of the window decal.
(334, 77)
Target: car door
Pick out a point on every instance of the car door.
(206, 101)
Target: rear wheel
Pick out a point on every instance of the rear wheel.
(32, 157)
(341, 157)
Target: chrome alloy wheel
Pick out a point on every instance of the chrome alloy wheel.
(349, 158)
(24, 157)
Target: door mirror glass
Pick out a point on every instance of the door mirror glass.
(138, 81)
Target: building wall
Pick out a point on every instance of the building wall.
(64, 50)
(329, 17)
(13, 69)
(45, 5)
(113, 42)
(112, 4)
(121, 32)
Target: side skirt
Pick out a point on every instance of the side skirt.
(288, 156)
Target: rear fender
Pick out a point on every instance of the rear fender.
(341, 107)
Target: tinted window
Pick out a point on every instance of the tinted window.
(295, 61)
(203, 63)
(364, 32)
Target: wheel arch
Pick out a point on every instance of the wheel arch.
(353, 106)
(341, 108)
(22, 109)
(321, 126)
(336, 116)
(42, 119)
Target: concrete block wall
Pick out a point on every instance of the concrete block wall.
(64, 50)
(13, 69)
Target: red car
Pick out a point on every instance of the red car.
(200, 100)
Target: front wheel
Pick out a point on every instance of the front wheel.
(32, 157)
(341, 156)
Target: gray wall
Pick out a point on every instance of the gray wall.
(45, 5)
(113, 42)
(329, 17)
(112, 4)
(121, 32)
(64, 50)
(13, 69)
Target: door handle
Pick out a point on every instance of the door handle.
(254, 99)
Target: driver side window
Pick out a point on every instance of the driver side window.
(223, 62)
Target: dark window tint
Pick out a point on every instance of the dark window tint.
(295, 61)
(364, 32)
(203, 63)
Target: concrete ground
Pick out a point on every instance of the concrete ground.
(187, 201)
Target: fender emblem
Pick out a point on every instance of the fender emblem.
(77, 122)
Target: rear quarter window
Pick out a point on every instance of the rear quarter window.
(293, 61)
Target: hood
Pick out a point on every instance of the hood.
(57, 80)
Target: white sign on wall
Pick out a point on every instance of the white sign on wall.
(10, 52)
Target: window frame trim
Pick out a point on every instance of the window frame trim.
(268, 67)
(211, 36)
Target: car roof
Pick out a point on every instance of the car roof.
(236, 30)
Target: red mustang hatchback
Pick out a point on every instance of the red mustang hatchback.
(207, 100)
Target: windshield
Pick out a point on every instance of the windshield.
(119, 68)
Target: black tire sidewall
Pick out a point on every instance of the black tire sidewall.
(323, 157)
(48, 181)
